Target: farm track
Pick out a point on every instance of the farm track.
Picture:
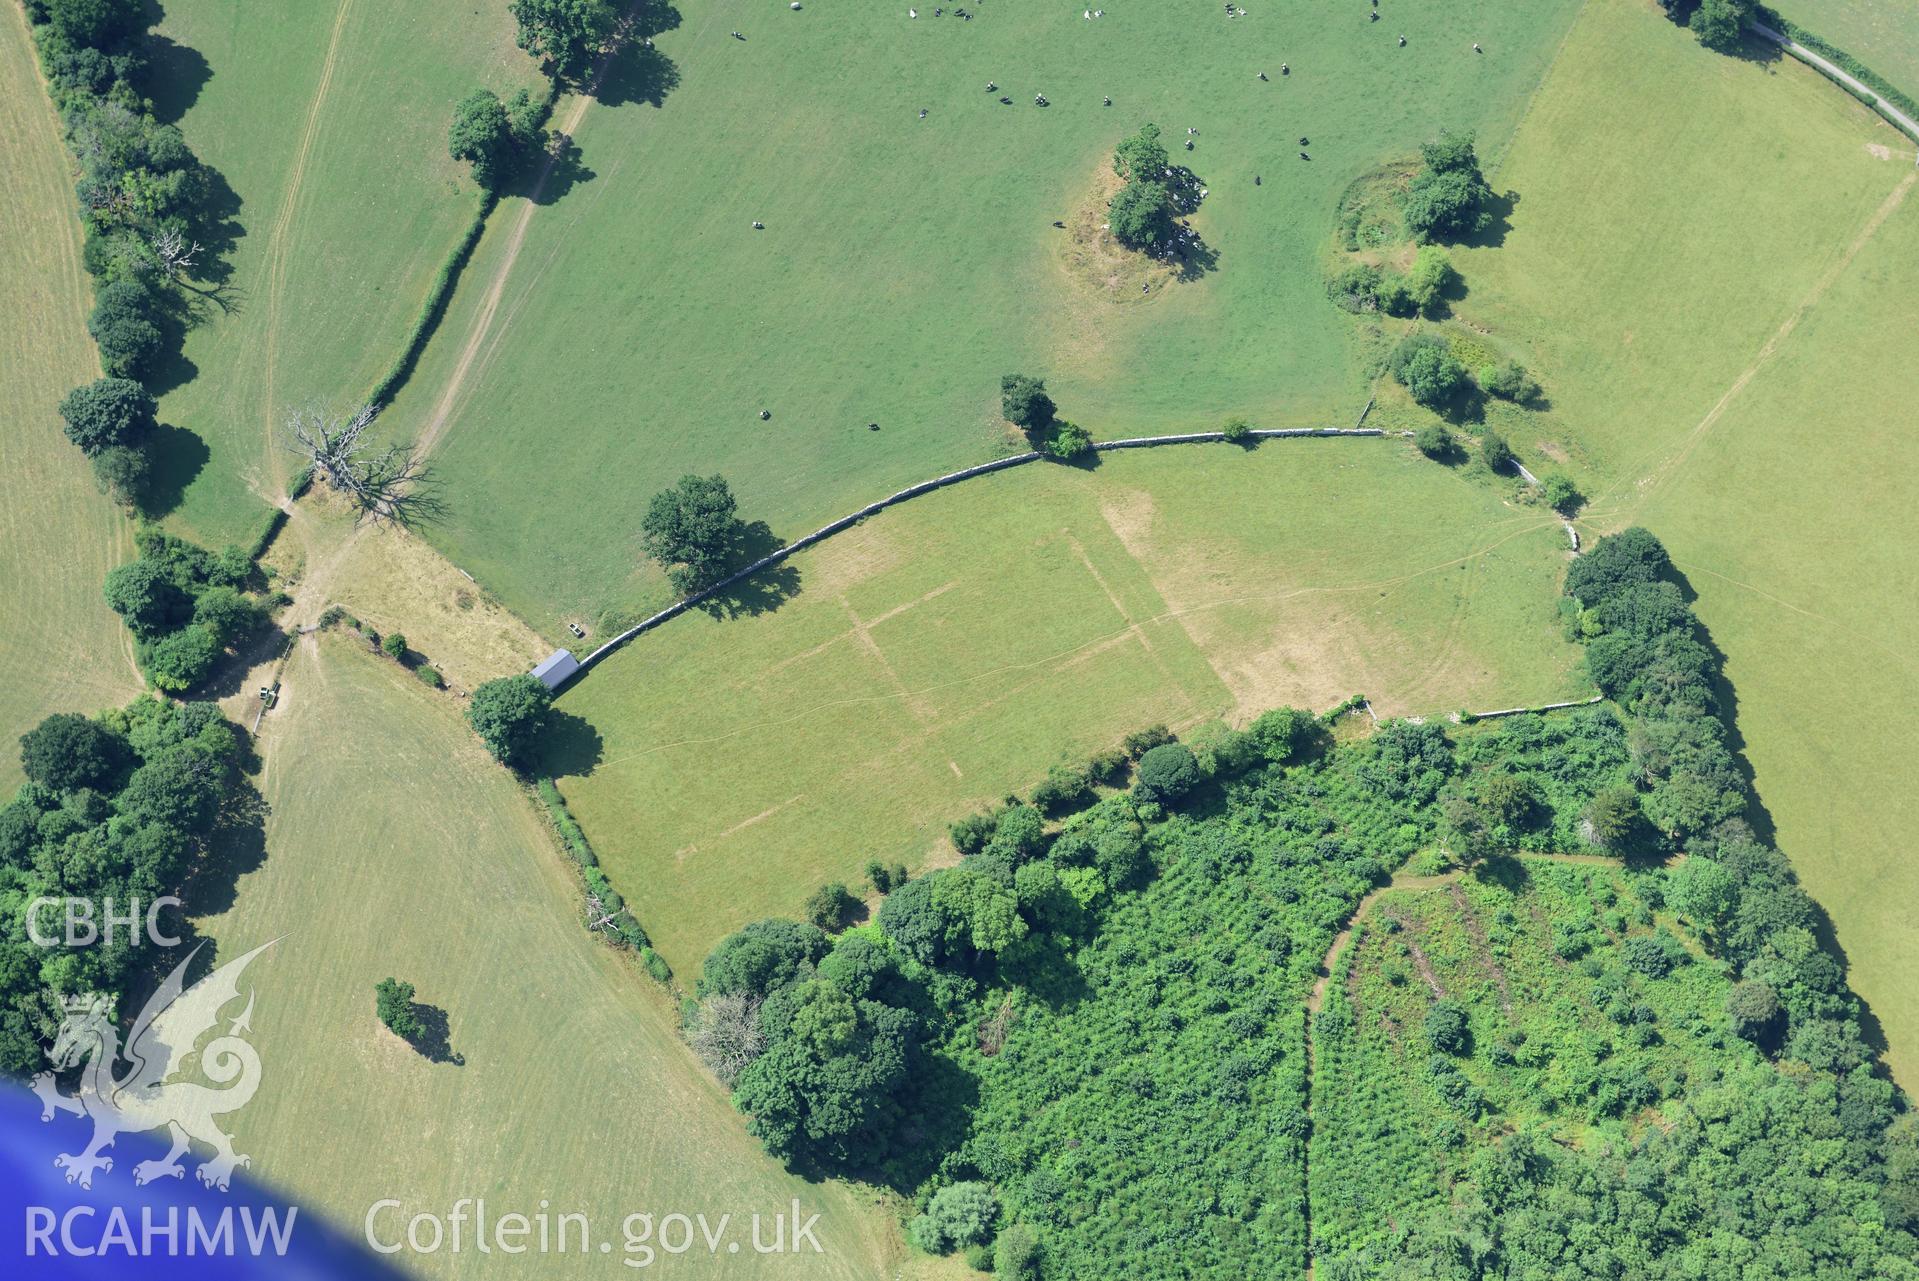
(279, 235)
(482, 329)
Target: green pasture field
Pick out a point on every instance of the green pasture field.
(1883, 34)
(328, 121)
(1772, 460)
(63, 649)
(575, 1089)
(950, 650)
(642, 324)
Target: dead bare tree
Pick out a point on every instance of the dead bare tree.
(385, 482)
(175, 253)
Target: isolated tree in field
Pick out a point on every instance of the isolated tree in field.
(107, 412)
(690, 529)
(1560, 493)
(1509, 380)
(1447, 197)
(508, 714)
(1141, 215)
(495, 137)
(1435, 442)
(568, 33)
(393, 1002)
(1024, 403)
(1141, 156)
(122, 325)
(1068, 441)
(1719, 24)
(66, 750)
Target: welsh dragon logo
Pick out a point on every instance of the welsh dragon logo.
(158, 1046)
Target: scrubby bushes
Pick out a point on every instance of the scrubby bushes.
(1425, 366)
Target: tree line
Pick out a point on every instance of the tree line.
(155, 224)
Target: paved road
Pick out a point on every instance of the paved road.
(1898, 117)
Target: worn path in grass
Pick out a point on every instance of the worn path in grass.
(328, 122)
(62, 649)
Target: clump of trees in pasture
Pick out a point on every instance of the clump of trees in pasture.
(498, 139)
(1421, 290)
(509, 713)
(1140, 216)
(122, 809)
(567, 34)
(692, 530)
(1025, 403)
(1448, 198)
(186, 607)
(1125, 973)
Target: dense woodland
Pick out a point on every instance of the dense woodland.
(118, 810)
(1083, 1051)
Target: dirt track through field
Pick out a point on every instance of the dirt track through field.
(483, 327)
(1663, 471)
(277, 258)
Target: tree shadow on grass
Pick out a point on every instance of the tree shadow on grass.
(175, 458)
(569, 746)
(1499, 222)
(434, 1040)
(638, 73)
(238, 846)
(173, 77)
(563, 171)
(762, 593)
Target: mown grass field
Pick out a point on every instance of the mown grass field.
(950, 650)
(906, 263)
(1770, 459)
(62, 649)
(1883, 34)
(421, 859)
(328, 121)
